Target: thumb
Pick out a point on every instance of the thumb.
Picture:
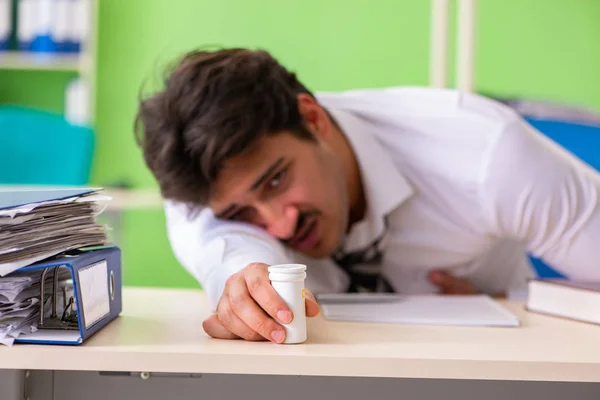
(312, 307)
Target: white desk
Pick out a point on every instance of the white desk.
(160, 331)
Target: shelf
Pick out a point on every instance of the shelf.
(17, 60)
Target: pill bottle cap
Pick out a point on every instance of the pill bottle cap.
(287, 272)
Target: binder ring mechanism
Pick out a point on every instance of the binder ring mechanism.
(112, 285)
(68, 318)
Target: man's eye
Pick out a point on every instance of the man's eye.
(276, 180)
(244, 214)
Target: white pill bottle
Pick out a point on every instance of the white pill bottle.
(288, 282)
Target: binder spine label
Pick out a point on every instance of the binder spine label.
(93, 281)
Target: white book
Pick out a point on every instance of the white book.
(575, 300)
(455, 310)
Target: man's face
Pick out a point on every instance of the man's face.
(295, 189)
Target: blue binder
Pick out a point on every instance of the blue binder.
(22, 197)
(95, 301)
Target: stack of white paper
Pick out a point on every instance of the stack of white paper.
(20, 304)
(34, 225)
(468, 310)
(37, 224)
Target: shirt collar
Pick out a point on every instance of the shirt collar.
(385, 187)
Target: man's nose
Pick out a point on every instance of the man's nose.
(281, 221)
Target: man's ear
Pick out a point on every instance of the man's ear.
(315, 117)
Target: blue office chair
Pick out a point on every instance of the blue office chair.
(42, 148)
(581, 140)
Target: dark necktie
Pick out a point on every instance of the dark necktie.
(364, 269)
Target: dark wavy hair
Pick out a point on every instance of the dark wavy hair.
(214, 106)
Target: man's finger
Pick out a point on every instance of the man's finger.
(442, 280)
(312, 307)
(261, 290)
(229, 319)
(253, 316)
(463, 286)
(213, 327)
(449, 284)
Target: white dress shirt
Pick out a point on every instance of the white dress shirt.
(464, 184)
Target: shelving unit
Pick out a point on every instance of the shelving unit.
(82, 63)
(18, 60)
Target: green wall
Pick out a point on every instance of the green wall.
(548, 49)
(536, 48)
(40, 89)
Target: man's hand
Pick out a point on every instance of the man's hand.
(251, 309)
(449, 284)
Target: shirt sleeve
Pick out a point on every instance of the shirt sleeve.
(211, 249)
(535, 191)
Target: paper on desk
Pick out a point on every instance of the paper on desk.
(22, 294)
(27, 208)
(471, 310)
(16, 220)
(11, 287)
(46, 212)
(12, 327)
(13, 197)
(40, 221)
(43, 239)
(28, 229)
(33, 228)
(17, 308)
(92, 197)
(11, 266)
(19, 314)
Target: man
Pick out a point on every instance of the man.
(412, 190)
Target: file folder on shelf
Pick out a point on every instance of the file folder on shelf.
(85, 295)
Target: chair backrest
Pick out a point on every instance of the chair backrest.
(42, 148)
(580, 139)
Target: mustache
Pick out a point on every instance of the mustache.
(300, 224)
